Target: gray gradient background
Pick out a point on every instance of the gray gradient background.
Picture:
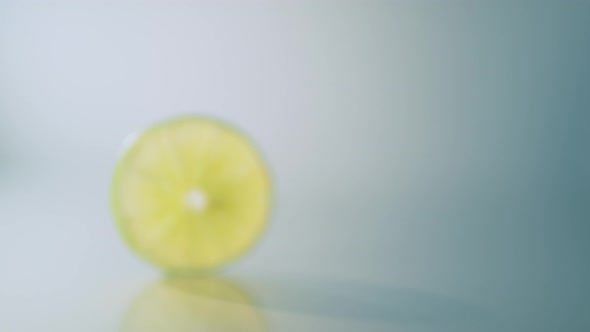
(439, 146)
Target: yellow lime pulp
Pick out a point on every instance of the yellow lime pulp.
(190, 194)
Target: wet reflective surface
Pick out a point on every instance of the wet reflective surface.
(434, 154)
(285, 304)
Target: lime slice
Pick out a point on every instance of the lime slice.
(208, 304)
(190, 194)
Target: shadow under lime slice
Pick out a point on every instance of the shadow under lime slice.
(190, 194)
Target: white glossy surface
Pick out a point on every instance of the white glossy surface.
(425, 155)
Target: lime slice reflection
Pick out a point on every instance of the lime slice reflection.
(192, 304)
